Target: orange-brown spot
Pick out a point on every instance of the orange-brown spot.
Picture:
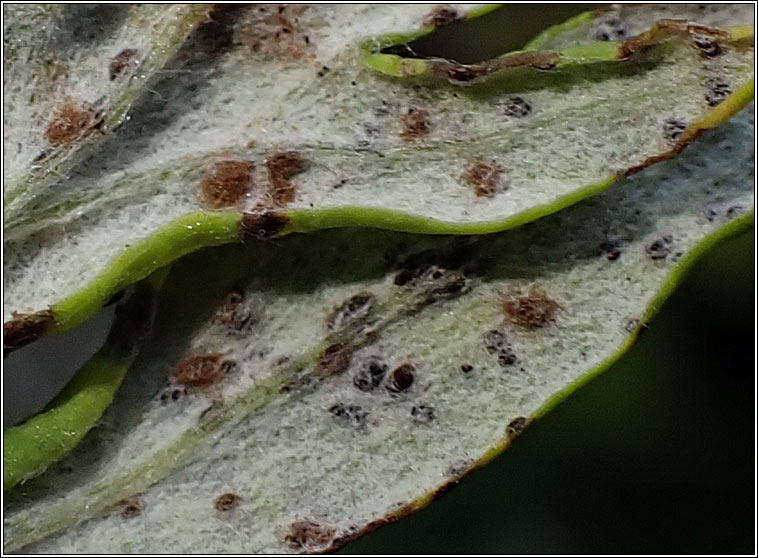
(308, 535)
(25, 328)
(534, 310)
(199, 371)
(442, 16)
(335, 359)
(416, 123)
(227, 183)
(124, 63)
(72, 120)
(130, 507)
(483, 177)
(227, 501)
(281, 167)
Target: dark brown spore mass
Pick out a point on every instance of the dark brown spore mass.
(227, 183)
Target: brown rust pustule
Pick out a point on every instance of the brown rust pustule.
(23, 329)
(72, 120)
(515, 427)
(262, 225)
(227, 501)
(282, 166)
(306, 535)
(335, 359)
(227, 183)
(533, 310)
(123, 64)
(130, 507)
(201, 370)
(401, 379)
(416, 123)
(442, 16)
(483, 177)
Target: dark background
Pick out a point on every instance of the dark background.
(657, 455)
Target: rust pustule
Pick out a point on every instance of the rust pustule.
(355, 308)
(483, 177)
(533, 310)
(282, 166)
(227, 501)
(416, 123)
(201, 370)
(335, 359)
(72, 120)
(227, 183)
(515, 427)
(442, 16)
(308, 535)
(23, 329)
(262, 225)
(123, 64)
(130, 507)
(401, 379)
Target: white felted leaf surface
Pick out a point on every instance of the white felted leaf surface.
(253, 82)
(311, 458)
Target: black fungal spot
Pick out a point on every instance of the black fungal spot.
(708, 46)
(124, 63)
(401, 379)
(423, 413)
(611, 249)
(352, 416)
(658, 249)
(517, 107)
(515, 427)
(467, 369)
(673, 128)
(227, 501)
(371, 375)
(130, 507)
(718, 91)
(356, 307)
(335, 359)
(323, 71)
(733, 211)
(610, 28)
(306, 535)
(496, 343)
(710, 215)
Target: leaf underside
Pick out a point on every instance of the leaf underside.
(431, 156)
(312, 426)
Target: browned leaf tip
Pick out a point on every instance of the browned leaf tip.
(23, 329)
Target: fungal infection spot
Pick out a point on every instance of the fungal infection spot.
(734, 211)
(235, 314)
(199, 371)
(371, 375)
(123, 64)
(464, 73)
(227, 501)
(352, 416)
(496, 343)
(72, 120)
(717, 91)
(458, 467)
(611, 249)
(483, 177)
(673, 128)
(227, 183)
(262, 225)
(282, 166)
(707, 46)
(335, 359)
(659, 249)
(467, 369)
(442, 16)
(423, 413)
(401, 379)
(306, 535)
(517, 107)
(533, 310)
(515, 427)
(416, 123)
(610, 28)
(356, 308)
(130, 507)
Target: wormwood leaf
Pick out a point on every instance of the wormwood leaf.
(339, 380)
(285, 114)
